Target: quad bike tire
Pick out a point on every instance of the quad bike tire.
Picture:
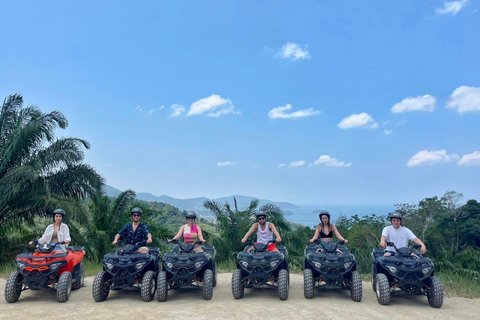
(215, 275)
(283, 284)
(81, 278)
(308, 284)
(383, 289)
(148, 286)
(207, 284)
(373, 279)
(100, 287)
(435, 292)
(64, 286)
(13, 287)
(162, 286)
(238, 287)
(356, 287)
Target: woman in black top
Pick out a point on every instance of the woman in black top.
(325, 229)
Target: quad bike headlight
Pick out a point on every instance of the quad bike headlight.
(140, 265)
(273, 264)
(109, 266)
(318, 265)
(21, 266)
(54, 266)
(392, 269)
(347, 265)
(244, 264)
(169, 265)
(426, 271)
(198, 264)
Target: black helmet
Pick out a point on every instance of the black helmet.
(136, 210)
(59, 211)
(396, 215)
(261, 214)
(324, 213)
(191, 214)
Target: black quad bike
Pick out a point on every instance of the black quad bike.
(48, 268)
(261, 267)
(403, 271)
(331, 264)
(127, 268)
(183, 267)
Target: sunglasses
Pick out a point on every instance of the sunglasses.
(190, 218)
(261, 218)
(136, 215)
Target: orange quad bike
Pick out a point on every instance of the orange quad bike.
(48, 268)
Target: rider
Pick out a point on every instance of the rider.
(135, 231)
(190, 232)
(265, 231)
(326, 229)
(399, 235)
(56, 232)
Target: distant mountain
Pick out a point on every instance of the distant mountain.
(197, 203)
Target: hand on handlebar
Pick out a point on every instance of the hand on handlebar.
(279, 239)
(149, 241)
(383, 244)
(244, 240)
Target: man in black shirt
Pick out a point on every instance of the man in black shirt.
(135, 231)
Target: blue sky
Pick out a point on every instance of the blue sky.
(315, 102)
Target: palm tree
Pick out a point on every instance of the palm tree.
(37, 171)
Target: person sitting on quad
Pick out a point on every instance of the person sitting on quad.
(190, 231)
(134, 232)
(56, 232)
(265, 231)
(325, 229)
(399, 235)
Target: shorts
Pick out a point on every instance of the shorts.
(391, 253)
(270, 247)
(142, 248)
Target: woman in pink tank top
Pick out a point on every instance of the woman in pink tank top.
(190, 232)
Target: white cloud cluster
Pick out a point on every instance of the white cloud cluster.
(330, 162)
(177, 110)
(294, 51)
(138, 108)
(215, 106)
(361, 120)
(281, 165)
(472, 159)
(295, 164)
(282, 113)
(426, 157)
(226, 163)
(452, 7)
(420, 103)
(465, 99)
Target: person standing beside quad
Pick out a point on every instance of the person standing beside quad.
(56, 232)
(399, 235)
(135, 231)
(265, 231)
(190, 231)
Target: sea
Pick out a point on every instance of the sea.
(308, 214)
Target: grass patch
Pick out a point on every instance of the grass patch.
(7, 268)
(455, 285)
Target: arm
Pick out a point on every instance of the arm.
(117, 237)
(179, 234)
(339, 236)
(119, 234)
(66, 233)
(249, 233)
(149, 235)
(317, 233)
(383, 242)
(275, 232)
(423, 249)
(200, 234)
(47, 235)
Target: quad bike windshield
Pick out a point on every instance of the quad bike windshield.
(130, 248)
(185, 247)
(259, 247)
(330, 246)
(405, 252)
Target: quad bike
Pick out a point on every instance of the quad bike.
(48, 268)
(413, 274)
(183, 267)
(261, 267)
(128, 268)
(332, 265)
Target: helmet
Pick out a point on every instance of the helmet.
(324, 213)
(261, 214)
(136, 210)
(59, 211)
(191, 214)
(396, 215)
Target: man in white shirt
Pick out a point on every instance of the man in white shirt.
(398, 235)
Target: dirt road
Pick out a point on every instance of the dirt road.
(256, 304)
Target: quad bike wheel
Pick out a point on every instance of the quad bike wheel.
(215, 275)
(435, 292)
(64, 286)
(238, 287)
(162, 286)
(383, 289)
(13, 288)
(356, 287)
(207, 284)
(101, 287)
(283, 284)
(308, 284)
(148, 286)
(81, 278)
(373, 279)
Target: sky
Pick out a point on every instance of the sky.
(311, 102)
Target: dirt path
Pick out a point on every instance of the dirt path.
(257, 303)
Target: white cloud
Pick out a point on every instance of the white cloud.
(138, 108)
(425, 157)
(387, 132)
(281, 165)
(151, 112)
(226, 163)
(361, 120)
(425, 103)
(177, 110)
(160, 108)
(330, 162)
(472, 159)
(215, 105)
(280, 113)
(295, 164)
(452, 7)
(294, 51)
(465, 99)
